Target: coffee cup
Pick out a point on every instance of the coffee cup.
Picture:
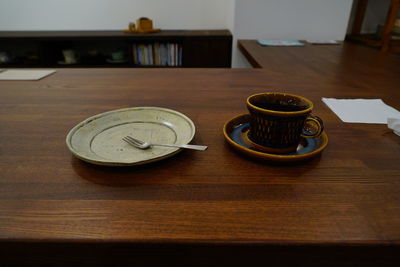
(4, 57)
(279, 121)
(117, 56)
(70, 56)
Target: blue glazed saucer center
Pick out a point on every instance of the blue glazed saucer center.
(306, 145)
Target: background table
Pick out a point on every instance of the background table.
(216, 207)
(322, 60)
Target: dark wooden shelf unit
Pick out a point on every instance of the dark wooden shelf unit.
(200, 48)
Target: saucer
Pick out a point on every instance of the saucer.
(235, 133)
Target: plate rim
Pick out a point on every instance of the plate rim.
(73, 130)
(269, 156)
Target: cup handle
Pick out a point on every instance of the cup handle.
(310, 132)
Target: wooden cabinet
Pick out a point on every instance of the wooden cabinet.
(383, 40)
(188, 48)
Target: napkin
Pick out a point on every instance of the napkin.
(322, 42)
(280, 43)
(26, 75)
(394, 124)
(361, 110)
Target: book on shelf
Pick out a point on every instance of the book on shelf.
(157, 54)
(145, 55)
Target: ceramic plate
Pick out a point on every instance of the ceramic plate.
(235, 133)
(98, 139)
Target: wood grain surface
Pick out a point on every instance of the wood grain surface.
(327, 60)
(197, 208)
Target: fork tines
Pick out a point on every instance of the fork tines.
(130, 141)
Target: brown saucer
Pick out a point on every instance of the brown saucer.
(235, 133)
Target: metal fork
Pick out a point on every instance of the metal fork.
(144, 145)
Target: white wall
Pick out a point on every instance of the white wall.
(112, 14)
(290, 19)
(247, 19)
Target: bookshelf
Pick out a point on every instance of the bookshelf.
(382, 40)
(107, 49)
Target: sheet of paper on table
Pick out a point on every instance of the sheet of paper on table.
(280, 43)
(323, 42)
(25, 75)
(362, 110)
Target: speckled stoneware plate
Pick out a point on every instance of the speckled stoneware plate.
(236, 130)
(98, 139)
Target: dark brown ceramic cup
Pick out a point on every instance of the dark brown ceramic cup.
(279, 121)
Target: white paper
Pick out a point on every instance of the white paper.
(322, 42)
(25, 75)
(361, 110)
(394, 124)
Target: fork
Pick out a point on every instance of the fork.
(144, 145)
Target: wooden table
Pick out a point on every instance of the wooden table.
(214, 208)
(326, 60)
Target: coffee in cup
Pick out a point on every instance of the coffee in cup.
(279, 121)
